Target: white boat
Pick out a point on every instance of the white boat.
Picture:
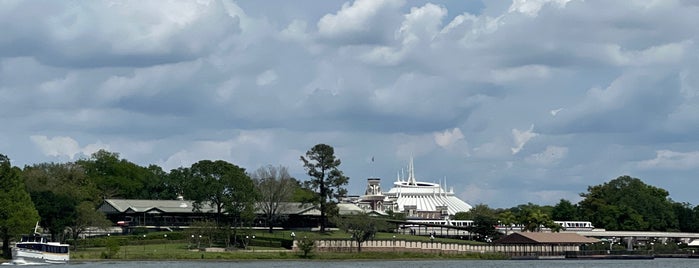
(36, 250)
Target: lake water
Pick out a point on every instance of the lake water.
(656, 263)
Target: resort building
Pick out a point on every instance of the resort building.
(417, 199)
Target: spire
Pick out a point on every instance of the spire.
(411, 173)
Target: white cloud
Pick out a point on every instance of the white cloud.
(492, 150)
(554, 112)
(266, 78)
(422, 24)
(532, 7)
(667, 159)
(449, 137)
(61, 146)
(357, 20)
(551, 155)
(521, 137)
(515, 74)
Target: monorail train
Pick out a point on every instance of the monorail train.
(565, 225)
(571, 226)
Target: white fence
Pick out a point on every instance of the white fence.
(438, 247)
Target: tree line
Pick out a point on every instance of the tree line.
(63, 197)
(622, 204)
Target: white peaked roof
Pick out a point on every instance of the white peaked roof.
(426, 196)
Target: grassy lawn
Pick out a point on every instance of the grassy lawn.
(158, 246)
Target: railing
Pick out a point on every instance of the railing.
(442, 248)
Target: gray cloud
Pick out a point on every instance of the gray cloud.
(173, 83)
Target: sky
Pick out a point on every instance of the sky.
(506, 102)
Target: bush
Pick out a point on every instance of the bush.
(112, 247)
(306, 245)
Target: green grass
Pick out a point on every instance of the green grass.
(155, 246)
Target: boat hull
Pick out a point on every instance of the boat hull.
(23, 256)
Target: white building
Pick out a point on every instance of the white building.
(418, 200)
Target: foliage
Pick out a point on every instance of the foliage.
(202, 232)
(627, 203)
(306, 245)
(62, 179)
(120, 178)
(112, 249)
(327, 180)
(535, 219)
(56, 212)
(507, 218)
(565, 211)
(223, 186)
(87, 216)
(275, 185)
(361, 227)
(17, 213)
(461, 216)
(484, 221)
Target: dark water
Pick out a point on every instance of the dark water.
(664, 263)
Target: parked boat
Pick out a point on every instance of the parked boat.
(36, 249)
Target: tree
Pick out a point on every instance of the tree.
(484, 221)
(223, 186)
(507, 219)
(275, 185)
(461, 216)
(306, 245)
(327, 180)
(56, 189)
(57, 211)
(361, 227)
(535, 219)
(116, 177)
(565, 211)
(86, 215)
(17, 212)
(626, 204)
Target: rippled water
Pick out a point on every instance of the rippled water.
(657, 263)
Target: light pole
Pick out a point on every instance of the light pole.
(394, 243)
(144, 243)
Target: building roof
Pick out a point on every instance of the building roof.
(425, 196)
(186, 206)
(529, 238)
(150, 206)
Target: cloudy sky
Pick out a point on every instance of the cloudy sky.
(509, 101)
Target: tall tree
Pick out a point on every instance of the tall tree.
(535, 219)
(116, 177)
(17, 212)
(484, 221)
(507, 219)
(223, 186)
(327, 180)
(86, 215)
(57, 189)
(275, 186)
(57, 212)
(626, 204)
(565, 211)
